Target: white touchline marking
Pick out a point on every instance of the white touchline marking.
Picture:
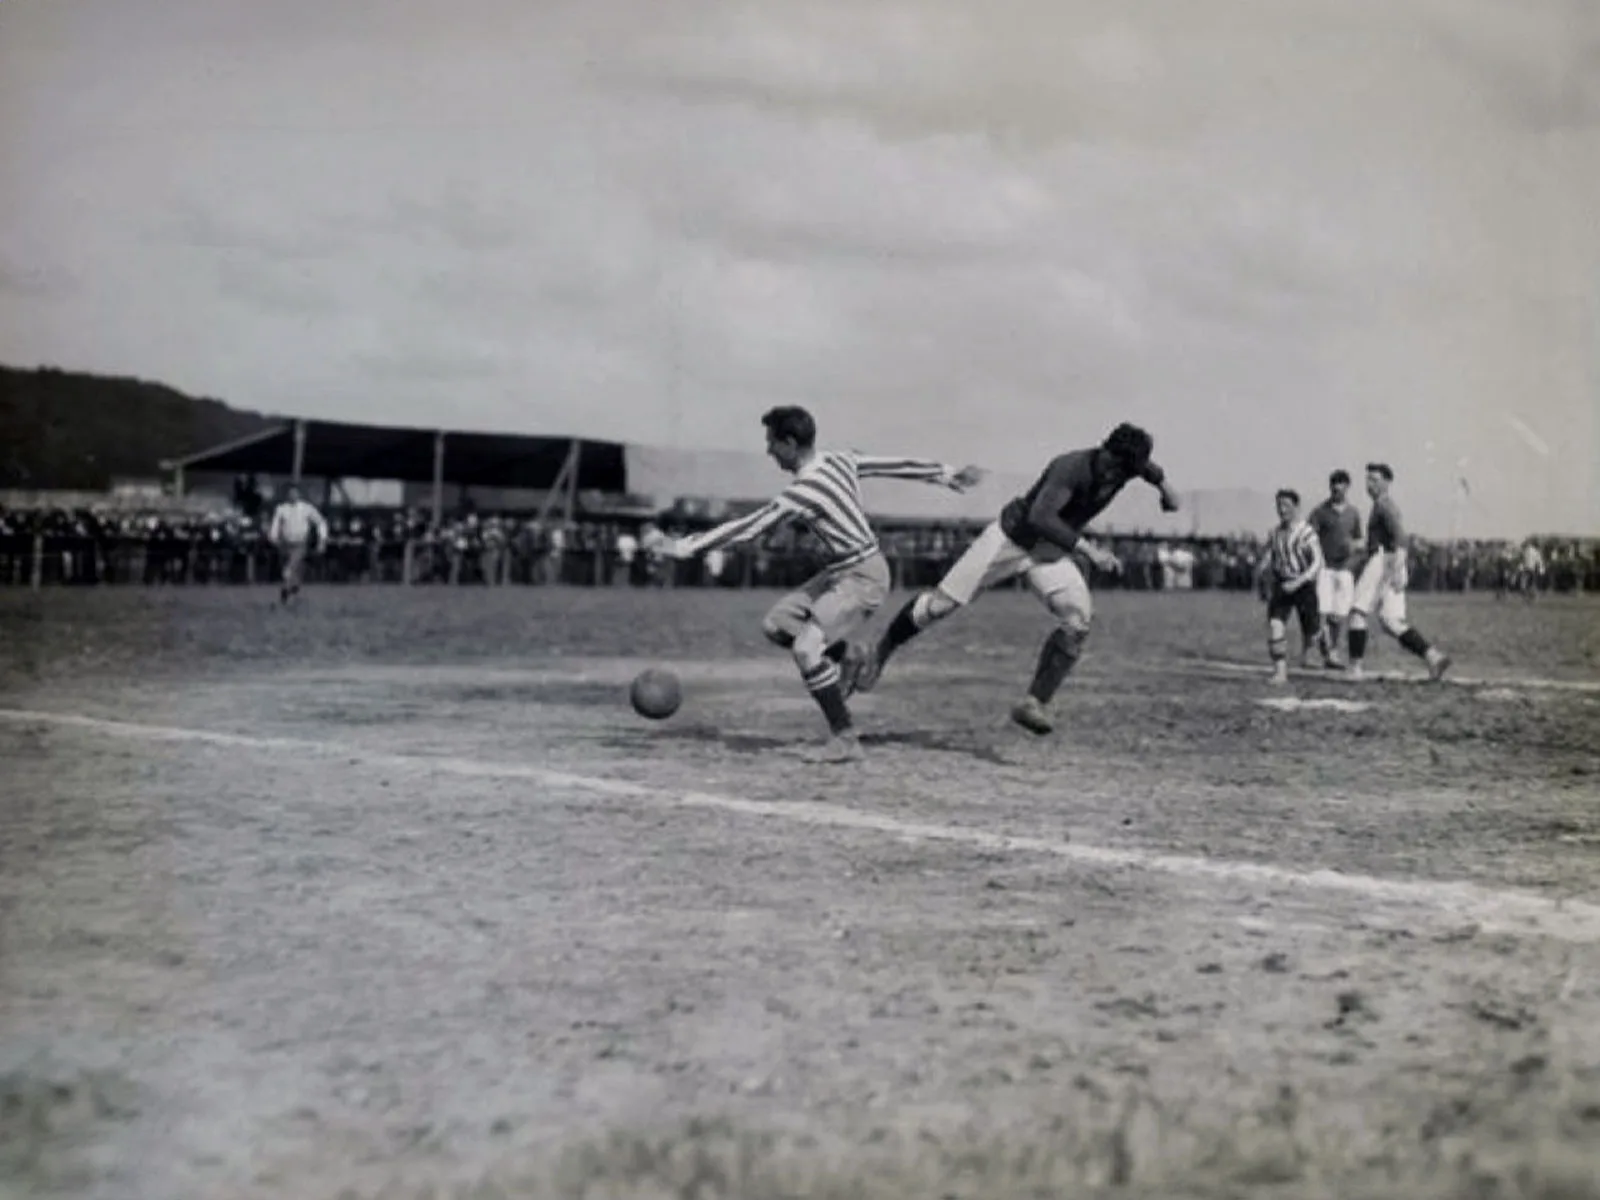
(1489, 909)
(1296, 704)
(1565, 685)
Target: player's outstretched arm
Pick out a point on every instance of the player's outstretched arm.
(1157, 478)
(741, 529)
(869, 466)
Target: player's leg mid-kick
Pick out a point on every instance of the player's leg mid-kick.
(814, 625)
(991, 558)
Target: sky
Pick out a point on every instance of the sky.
(1284, 235)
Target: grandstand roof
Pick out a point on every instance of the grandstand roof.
(339, 450)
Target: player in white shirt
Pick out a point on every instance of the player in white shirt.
(1531, 571)
(290, 532)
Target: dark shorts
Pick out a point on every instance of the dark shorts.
(1302, 602)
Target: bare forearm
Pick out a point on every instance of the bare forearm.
(732, 532)
(923, 470)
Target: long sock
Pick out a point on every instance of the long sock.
(1358, 645)
(831, 700)
(1415, 642)
(822, 681)
(902, 629)
(1057, 657)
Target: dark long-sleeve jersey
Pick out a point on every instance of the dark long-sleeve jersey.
(1339, 528)
(1384, 530)
(1088, 495)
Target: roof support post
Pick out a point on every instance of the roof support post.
(438, 478)
(573, 458)
(299, 451)
(564, 487)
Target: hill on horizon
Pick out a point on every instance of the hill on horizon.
(72, 430)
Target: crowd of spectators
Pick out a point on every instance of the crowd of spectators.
(106, 546)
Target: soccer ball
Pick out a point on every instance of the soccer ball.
(656, 694)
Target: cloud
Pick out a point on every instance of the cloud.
(1537, 67)
(950, 231)
(34, 282)
(248, 225)
(274, 289)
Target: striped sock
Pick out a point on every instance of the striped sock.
(822, 681)
(824, 675)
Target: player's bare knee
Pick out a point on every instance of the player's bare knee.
(931, 606)
(809, 647)
(1394, 627)
(1070, 614)
(1358, 620)
(779, 628)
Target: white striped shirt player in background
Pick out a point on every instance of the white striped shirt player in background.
(1383, 582)
(290, 532)
(815, 622)
(1290, 569)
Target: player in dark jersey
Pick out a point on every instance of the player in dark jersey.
(1382, 586)
(1338, 526)
(1034, 537)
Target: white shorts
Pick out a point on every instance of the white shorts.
(1336, 591)
(1376, 594)
(994, 558)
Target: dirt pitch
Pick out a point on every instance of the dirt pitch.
(392, 896)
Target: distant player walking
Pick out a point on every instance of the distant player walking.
(815, 622)
(292, 523)
(1530, 571)
(1292, 565)
(1338, 526)
(1382, 586)
(1033, 538)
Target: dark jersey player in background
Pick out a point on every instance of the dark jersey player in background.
(1382, 586)
(1034, 537)
(1338, 527)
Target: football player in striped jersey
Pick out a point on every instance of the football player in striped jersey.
(815, 622)
(1291, 567)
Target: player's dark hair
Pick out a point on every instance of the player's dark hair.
(791, 423)
(1382, 469)
(1288, 494)
(1130, 445)
(1339, 476)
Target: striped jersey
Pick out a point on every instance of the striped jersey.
(826, 495)
(1295, 552)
